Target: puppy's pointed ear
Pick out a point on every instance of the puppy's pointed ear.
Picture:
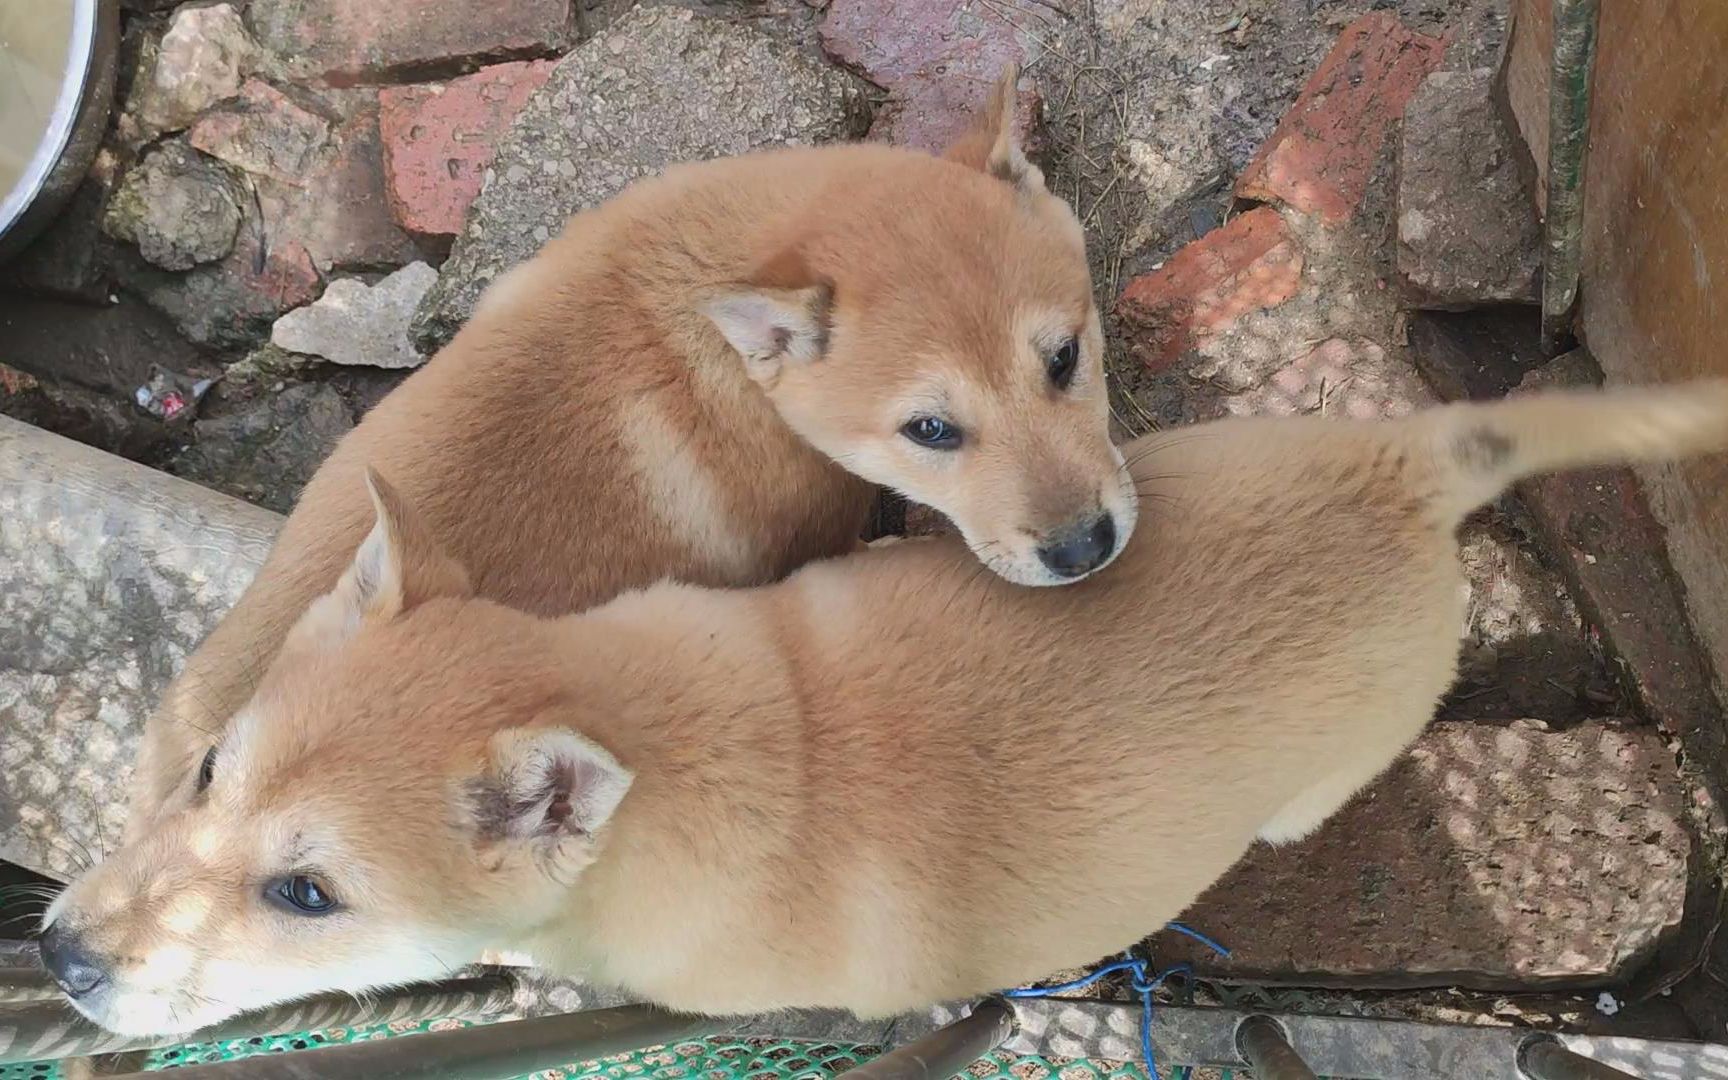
(779, 319)
(545, 793)
(991, 145)
(397, 567)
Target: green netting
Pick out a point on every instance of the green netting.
(711, 1059)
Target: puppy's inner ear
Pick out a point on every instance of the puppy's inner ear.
(398, 566)
(548, 790)
(991, 145)
(772, 327)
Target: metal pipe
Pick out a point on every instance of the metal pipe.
(1569, 72)
(1544, 1059)
(1263, 1045)
(492, 1052)
(42, 1030)
(947, 1050)
(27, 984)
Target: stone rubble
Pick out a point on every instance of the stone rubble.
(356, 323)
(180, 207)
(201, 60)
(657, 87)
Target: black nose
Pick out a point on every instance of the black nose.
(66, 959)
(1082, 551)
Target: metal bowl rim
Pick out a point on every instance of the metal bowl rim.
(53, 144)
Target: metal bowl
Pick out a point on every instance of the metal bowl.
(57, 61)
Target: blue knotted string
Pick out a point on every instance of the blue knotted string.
(1143, 980)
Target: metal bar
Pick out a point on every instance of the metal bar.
(27, 984)
(1264, 1046)
(1568, 132)
(1544, 1059)
(51, 1029)
(945, 1051)
(492, 1052)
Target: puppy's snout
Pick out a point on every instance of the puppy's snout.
(74, 967)
(1082, 549)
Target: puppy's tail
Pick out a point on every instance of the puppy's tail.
(1480, 450)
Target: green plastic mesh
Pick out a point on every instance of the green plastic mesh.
(711, 1059)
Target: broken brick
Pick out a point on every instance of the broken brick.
(349, 41)
(1247, 265)
(439, 138)
(938, 60)
(1320, 158)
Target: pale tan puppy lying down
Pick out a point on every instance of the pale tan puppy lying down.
(695, 381)
(866, 786)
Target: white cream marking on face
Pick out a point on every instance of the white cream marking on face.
(205, 842)
(187, 914)
(163, 967)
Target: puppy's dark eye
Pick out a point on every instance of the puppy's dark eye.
(932, 432)
(207, 771)
(303, 895)
(1061, 363)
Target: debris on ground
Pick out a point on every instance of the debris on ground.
(264, 450)
(170, 396)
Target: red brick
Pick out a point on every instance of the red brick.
(1249, 264)
(1322, 155)
(937, 59)
(348, 41)
(439, 138)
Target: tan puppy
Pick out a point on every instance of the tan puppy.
(690, 382)
(866, 786)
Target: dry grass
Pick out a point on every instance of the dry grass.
(1082, 145)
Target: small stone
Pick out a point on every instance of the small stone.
(384, 40)
(1467, 228)
(180, 208)
(356, 323)
(679, 87)
(200, 61)
(938, 60)
(439, 139)
(1322, 155)
(1250, 264)
(1491, 856)
(265, 450)
(263, 132)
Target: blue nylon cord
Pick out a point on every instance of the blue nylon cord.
(1144, 981)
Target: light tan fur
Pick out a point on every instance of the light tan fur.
(869, 786)
(691, 380)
